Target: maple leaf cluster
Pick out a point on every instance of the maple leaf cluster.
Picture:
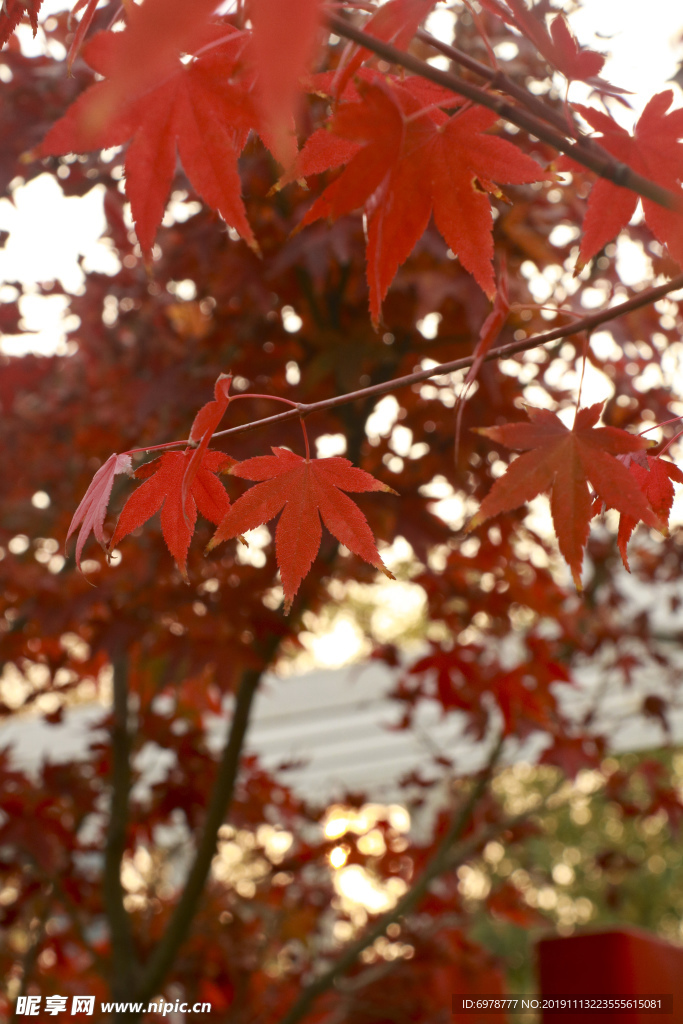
(13, 11)
(558, 461)
(409, 150)
(180, 483)
(407, 160)
(296, 192)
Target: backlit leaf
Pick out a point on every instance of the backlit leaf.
(655, 150)
(561, 463)
(91, 512)
(413, 162)
(303, 491)
(162, 489)
(200, 112)
(655, 478)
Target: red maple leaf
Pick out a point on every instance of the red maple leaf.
(203, 110)
(395, 22)
(655, 151)
(458, 675)
(572, 753)
(91, 512)
(561, 462)
(11, 13)
(490, 330)
(174, 25)
(405, 162)
(524, 693)
(303, 491)
(281, 65)
(577, 63)
(655, 478)
(559, 46)
(203, 427)
(162, 489)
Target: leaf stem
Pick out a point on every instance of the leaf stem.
(159, 447)
(586, 344)
(287, 401)
(655, 426)
(669, 443)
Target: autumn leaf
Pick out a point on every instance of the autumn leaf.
(209, 416)
(203, 428)
(458, 675)
(655, 478)
(91, 512)
(573, 753)
(81, 28)
(11, 13)
(281, 66)
(174, 25)
(577, 63)
(406, 162)
(525, 694)
(303, 491)
(395, 22)
(162, 489)
(202, 110)
(490, 329)
(562, 463)
(559, 46)
(655, 150)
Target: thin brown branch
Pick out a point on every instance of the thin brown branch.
(591, 156)
(587, 323)
(498, 80)
(442, 859)
(219, 806)
(122, 952)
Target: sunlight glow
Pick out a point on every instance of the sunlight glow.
(355, 885)
(338, 856)
(641, 49)
(50, 231)
(338, 646)
(339, 819)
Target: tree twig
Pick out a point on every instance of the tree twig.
(498, 80)
(219, 805)
(591, 156)
(587, 323)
